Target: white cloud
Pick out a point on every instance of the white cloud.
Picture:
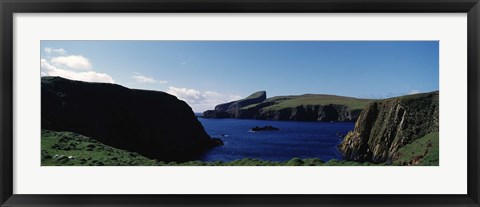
(414, 92)
(234, 97)
(55, 50)
(75, 62)
(190, 95)
(47, 69)
(201, 101)
(74, 67)
(144, 79)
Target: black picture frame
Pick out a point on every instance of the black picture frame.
(10, 7)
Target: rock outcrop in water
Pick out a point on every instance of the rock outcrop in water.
(386, 126)
(265, 128)
(152, 123)
(308, 107)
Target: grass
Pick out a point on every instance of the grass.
(257, 94)
(71, 149)
(282, 102)
(67, 148)
(273, 100)
(423, 151)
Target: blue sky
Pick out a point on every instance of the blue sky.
(207, 73)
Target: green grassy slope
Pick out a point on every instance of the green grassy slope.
(423, 151)
(57, 147)
(257, 94)
(281, 102)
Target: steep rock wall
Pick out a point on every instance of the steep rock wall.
(387, 125)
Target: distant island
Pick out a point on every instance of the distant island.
(107, 124)
(308, 107)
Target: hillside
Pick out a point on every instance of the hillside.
(154, 124)
(254, 98)
(68, 148)
(308, 107)
(402, 130)
(230, 109)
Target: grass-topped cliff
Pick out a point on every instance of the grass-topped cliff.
(402, 130)
(153, 123)
(282, 102)
(307, 107)
(254, 98)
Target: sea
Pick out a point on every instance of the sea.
(293, 139)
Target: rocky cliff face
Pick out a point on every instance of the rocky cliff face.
(385, 126)
(230, 110)
(330, 112)
(154, 124)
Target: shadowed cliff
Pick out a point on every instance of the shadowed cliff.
(152, 123)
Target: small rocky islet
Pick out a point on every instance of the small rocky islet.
(140, 127)
(264, 128)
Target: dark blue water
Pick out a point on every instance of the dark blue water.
(294, 139)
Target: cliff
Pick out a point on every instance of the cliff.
(154, 124)
(385, 126)
(254, 98)
(229, 110)
(308, 107)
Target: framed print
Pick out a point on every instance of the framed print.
(239, 103)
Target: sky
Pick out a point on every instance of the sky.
(207, 73)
